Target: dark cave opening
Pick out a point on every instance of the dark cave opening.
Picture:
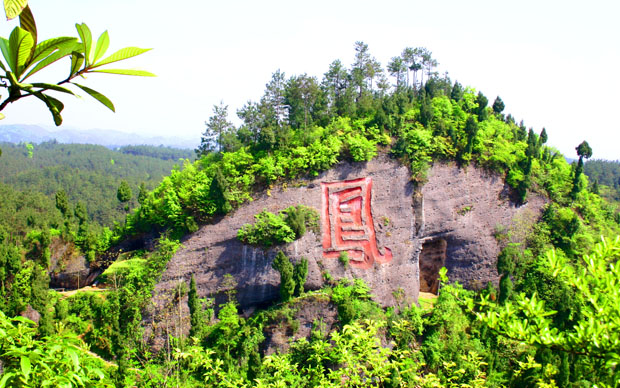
(432, 258)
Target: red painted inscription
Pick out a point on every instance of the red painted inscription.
(348, 225)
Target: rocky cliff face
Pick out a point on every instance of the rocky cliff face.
(463, 208)
(68, 269)
(396, 237)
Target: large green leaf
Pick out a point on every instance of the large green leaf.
(6, 378)
(26, 21)
(6, 52)
(102, 46)
(53, 105)
(87, 41)
(47, 47)
(76, 62)
(61, 53)
(14, 7)
(55, 87)
(127, 52)
(20, 44)
(141, 73)
(97, 96)
(25, 366)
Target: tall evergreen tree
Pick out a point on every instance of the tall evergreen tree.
(300, 273)
(218, 127)
(62, 203)
(498, 105)
(283, 265)
(543, 136)
(584, 151)
(457, 92)
(197, 323)
(397, 69)
(218, 191)
(301, 94)
(142, 193)
(482, 102)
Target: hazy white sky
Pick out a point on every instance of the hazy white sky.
(554, 63)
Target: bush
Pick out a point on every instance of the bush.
(360, 148)
(270, 229)
(287, 226)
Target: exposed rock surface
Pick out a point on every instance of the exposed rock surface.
(31, 313)
(313, 313)
(449, 222)
(68, 269)
(214, 251)
(464, 208)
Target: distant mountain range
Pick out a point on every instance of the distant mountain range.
(106, 137)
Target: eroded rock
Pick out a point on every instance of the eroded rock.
(214, 251)
(372, 211)
(464, 208)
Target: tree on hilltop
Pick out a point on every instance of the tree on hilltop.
(583, 151)
(218, 127)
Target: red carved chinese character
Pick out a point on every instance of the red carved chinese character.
(348, 225)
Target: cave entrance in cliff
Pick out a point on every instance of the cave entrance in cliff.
(432, 258)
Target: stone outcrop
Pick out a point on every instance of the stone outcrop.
(396, 236)
(68, 269)
(214, 250)
(463, 209)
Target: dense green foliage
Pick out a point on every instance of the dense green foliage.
(88, 173)
(604, 176)
(161, 152)
(287, 226)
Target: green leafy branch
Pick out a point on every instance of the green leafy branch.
(24, 57)
(596, 334)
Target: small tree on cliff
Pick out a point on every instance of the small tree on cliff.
(199, 314)
(583, 151)
(287, 281)
(300, 273)
(220, 193)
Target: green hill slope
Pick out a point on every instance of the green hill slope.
(87, 173)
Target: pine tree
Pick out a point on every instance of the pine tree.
(300, 273)
(543, 136)
(583, 151)
(218, 127)
(296, 219)
(283, 265)
(498, 105)
(505, 288)
(62, 203)
(219, 193)
(482, 106)
(195, 311)
(142, 194)
(124, 193)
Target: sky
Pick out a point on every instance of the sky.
(554, 63)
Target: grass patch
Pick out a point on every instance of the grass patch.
(427, 300)
(119, 269)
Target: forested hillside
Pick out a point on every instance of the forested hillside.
(87, 173)
(551, 321)
(604, 176)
